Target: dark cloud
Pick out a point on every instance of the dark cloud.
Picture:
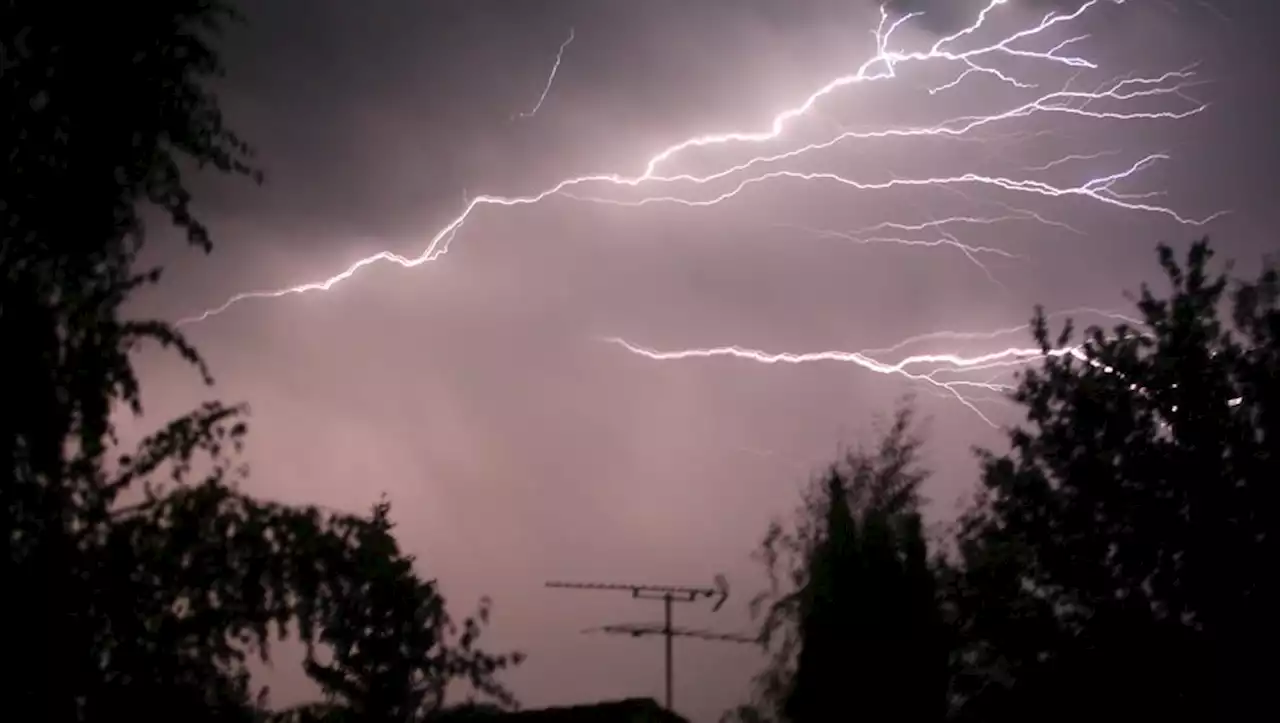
(937, 16)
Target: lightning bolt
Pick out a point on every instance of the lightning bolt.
(929, 369)
(883, 65)
(943, 364)
(965, 378)
(551, 79)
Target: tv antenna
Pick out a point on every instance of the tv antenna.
(669, 595)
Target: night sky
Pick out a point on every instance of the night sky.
(478, 390)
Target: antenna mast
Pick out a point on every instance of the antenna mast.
(668, 594)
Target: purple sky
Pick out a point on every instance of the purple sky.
(516, 445)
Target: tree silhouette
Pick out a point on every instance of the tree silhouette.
(390, 659)
(140, 582)
(827, 626)
(74, 177)
(851, 619)
(1121, 558)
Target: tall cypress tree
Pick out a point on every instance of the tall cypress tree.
(858, 635)
(827, 631)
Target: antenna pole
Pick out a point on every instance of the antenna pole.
(668, 634)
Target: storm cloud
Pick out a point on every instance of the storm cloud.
(475, 390)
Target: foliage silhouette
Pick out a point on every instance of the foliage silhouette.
(852, 612)
(385, 630)
(66, 275)
(126, 594)
(1121, 558)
